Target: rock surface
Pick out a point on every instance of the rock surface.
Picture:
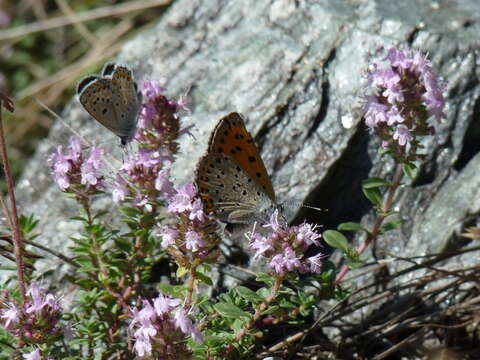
(296, 70)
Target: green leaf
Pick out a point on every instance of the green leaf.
(373, 183)
(351, 226)
(231, 311)
(271, 310)
(204, 278)
(130, 211)
(123, 244)
(391, 225)
(175, 291)
(355, 264)
(248, 294)
(181, 271)
(374, 195)
(336, 239)
(265, 278)
(410, 170)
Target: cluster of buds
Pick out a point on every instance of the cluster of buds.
(407, 94)
(36, 321)
(285, 247)
(193, 237)
(76, 173)
(160, 328)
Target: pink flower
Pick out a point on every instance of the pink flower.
(161, 327)
(164, 304)
(193, 241)
(12, 315)
(169, 236)
(40, 299)
(402, 135)
(407, 93)
(196, 211)
(315, 263)
(90, 169)
(285, 247)
(182, 321)
(151, 90)
(163, 183)
(261, 244)
(120, 190)
(182, 200)
(306, 234)
(34, 355)
(72, 168)
(39, 314)
(142, 346)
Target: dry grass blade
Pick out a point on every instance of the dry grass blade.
(45, 87)
(435, 304)
(81, 28)
(107, 11)
(104, 12)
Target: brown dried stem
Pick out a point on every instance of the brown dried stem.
(17, 245)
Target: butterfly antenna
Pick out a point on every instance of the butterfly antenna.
(62, 120)
(296, 205)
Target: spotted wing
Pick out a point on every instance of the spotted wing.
(98, 97)
(231, 138)
(228, 192)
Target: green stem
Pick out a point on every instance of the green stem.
(256, 316)
(373, 235)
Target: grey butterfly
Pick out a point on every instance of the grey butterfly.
(113, 100)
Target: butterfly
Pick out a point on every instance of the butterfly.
(113, 100)
(231, 178)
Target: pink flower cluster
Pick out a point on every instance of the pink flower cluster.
(74, 172)
(285, 246)
(185, 204)
(407, 94)
(37, 320)
(157, 131)
(160, 328)
(148, 174)
(158, 122)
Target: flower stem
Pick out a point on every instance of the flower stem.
(191, 285)
(258, 313)
(18, 245)
(372, 236)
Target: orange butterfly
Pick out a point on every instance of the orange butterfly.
(232, 180)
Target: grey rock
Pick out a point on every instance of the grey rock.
(296, 70)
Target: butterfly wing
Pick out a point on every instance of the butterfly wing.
(229, 192)
(98, 98)
(231, 138)
(113, 100)
(129, 101)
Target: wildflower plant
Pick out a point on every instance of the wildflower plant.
(404, 98)
(118, 313)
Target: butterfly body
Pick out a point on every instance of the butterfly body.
(231, 177)
(113, 100)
